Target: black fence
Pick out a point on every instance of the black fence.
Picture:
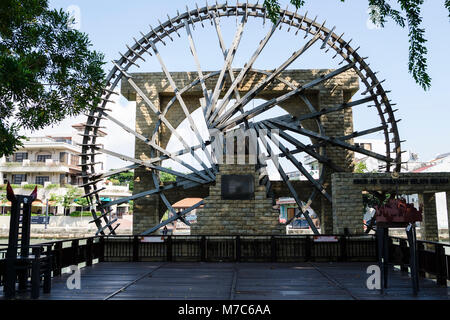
(64, 253)
(432, 256)
(240, 248)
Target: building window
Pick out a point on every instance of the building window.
(62, 179)
(74, 160)
(20, 156)
(19, 178)
(43, 157)
(42, 179)
(63, 157)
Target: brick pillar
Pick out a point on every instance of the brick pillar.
(335, 124)
(429, 226)
(348, 206)
(145, 210)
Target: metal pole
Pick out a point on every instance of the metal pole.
(46, 215)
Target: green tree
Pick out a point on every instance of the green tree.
(69, 197)
(123, 178)
(167, 177)
(47, 70)
(360, 167)
(407, 14)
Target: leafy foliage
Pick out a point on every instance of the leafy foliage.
(360, 167)
(82, 213)
(47, 70)
(30, 186)
(123, 178)
(380, 11)
(167, 177)
(69, 197)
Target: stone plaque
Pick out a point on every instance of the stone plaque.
(238, 187)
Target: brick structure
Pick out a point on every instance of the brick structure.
(237, 217)
(348, 206)
(335, 91)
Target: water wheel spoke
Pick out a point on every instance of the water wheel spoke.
(286, 180)
(152, 166)
(229, 70)
(156, 146)
(182, 184)
(245, 70)
(173, 218)
(197, 63)
(267, 132)
(257, 89)
(221, 79)
(272, 102)
(330, 140)
(338, 108)
(163, 119)
(185, 109)
(306, 148)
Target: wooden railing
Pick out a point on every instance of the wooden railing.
(432, 256)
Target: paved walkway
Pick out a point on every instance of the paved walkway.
(239, 281)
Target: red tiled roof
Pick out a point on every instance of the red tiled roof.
(186, 203)
(424, 168)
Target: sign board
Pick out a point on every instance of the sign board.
(40, 220)
(152, 239)
(238, 187)
(325, 239)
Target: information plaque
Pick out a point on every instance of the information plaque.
(238, 187)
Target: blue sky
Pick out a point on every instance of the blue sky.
(425, 115)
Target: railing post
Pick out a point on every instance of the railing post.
(238, 248)
(169, 248)
(35, 273)
(343, 247)
(420, 253)
(308, 248)
(203, 249)
(404, 260)
(441, 270)
(273, 249)
(102, 250)
(89, 243)
(57, 267)
(75, 252)
(135, 249)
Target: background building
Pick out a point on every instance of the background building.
(47, 160)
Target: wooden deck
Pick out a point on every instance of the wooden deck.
(239, 281)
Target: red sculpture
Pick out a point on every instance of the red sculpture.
(397, 210)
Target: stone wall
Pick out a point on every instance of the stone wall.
(335, 91)
(348, 206)
(237, 217)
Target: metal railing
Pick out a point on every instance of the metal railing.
(249, 248)
(433, 257)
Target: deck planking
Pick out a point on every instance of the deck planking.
(239, 281)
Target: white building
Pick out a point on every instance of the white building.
(440, 164)
(410, 159)
(47, 160)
